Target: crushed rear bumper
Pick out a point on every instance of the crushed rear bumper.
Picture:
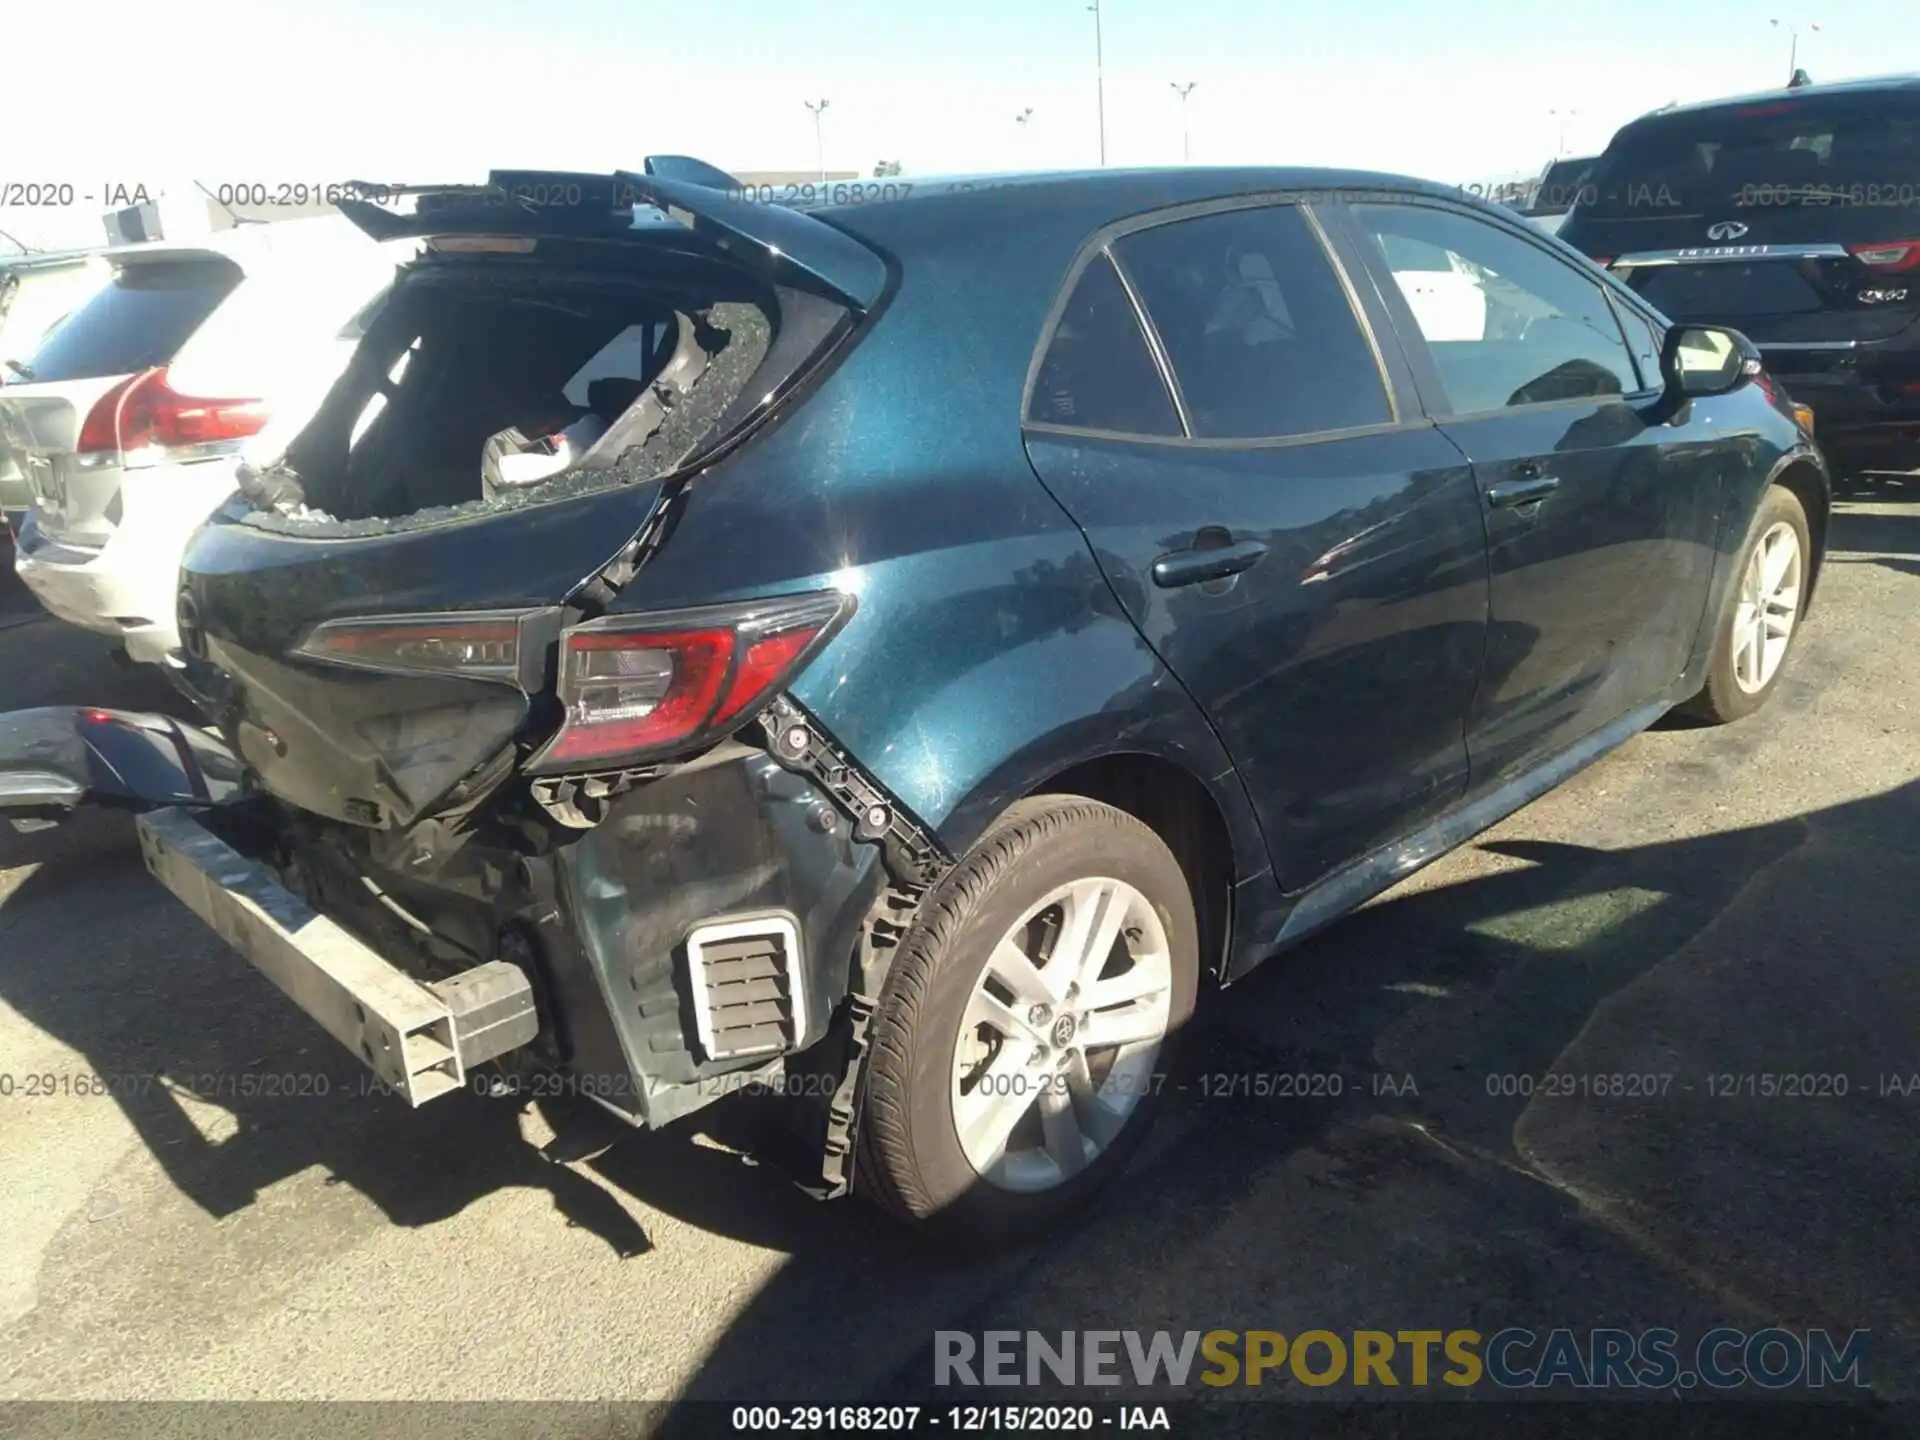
(698, 941)
(419, 1038)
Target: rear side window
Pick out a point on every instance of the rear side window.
(1259, 329)
(1098, 373)
(138, 319)
(1506, 323)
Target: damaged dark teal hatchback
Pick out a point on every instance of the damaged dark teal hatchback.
(893, 653)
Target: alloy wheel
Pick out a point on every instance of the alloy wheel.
(1058, 1042)
(1769, 604)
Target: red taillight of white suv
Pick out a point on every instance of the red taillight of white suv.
(144, 421)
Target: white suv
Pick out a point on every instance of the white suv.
(127, 421)
(37, 291)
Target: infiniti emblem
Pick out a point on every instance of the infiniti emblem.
(1726, 230)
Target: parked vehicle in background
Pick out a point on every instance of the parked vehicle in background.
(128, 420)
(996, 610)
(1555, 193)
(1793, 216)
(37, 291)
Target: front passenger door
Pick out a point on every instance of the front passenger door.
(1600, 521)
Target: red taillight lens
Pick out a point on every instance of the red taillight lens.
(100, 432)
(633, 692)
(1888, 254)
(763, 663)
(145, 411)
(1603, 261)
(477, 644)
(637, 685)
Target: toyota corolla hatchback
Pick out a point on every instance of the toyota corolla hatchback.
(890, 655)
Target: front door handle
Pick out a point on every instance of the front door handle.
(1194, 567)
(1511, 493)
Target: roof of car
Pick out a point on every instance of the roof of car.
(1871, 84)
(1158, 186)
(302, 241)
(50, 259)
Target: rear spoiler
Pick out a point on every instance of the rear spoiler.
(562, 204)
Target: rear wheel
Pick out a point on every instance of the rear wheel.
(1023, 1041)
(1757, 625)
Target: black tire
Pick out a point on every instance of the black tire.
(910, 1158)
(1721, 700)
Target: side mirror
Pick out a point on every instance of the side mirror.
(1698, 360)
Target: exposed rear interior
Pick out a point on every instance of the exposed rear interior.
(491, 380)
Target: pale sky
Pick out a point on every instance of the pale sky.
(239, 91)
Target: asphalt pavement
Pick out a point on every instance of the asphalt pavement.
(1703, 905)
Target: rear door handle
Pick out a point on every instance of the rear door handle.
(1531, 491)
(1193, 567)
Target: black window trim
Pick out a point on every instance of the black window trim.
(1620, 314)
(1400, 416)
(1439, 403)
(1156, 347)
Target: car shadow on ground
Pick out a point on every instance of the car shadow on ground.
(93, 953)
(1685, 963)
(1430, 1192)
(251, 1092)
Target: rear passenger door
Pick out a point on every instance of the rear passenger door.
(1600, 521)
(1298, 544)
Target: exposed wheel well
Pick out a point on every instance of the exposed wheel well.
(1175, 806)
(1804, 481)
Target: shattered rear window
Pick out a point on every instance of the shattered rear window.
(635, 387)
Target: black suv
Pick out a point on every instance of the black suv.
(1794, 217)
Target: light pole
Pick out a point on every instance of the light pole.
(1793, 43)
(1099, 80)
(819, 145)
(1186, 146)
(1560, 146)
(1024, 119)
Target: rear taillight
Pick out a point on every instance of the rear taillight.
(1888, 254)
(145, 417)
(639, 686)
(1603, 261)
(476, 644)
(632, 686)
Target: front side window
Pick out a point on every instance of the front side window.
(1506, 323)
(1098, 373)
(1257, 326)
